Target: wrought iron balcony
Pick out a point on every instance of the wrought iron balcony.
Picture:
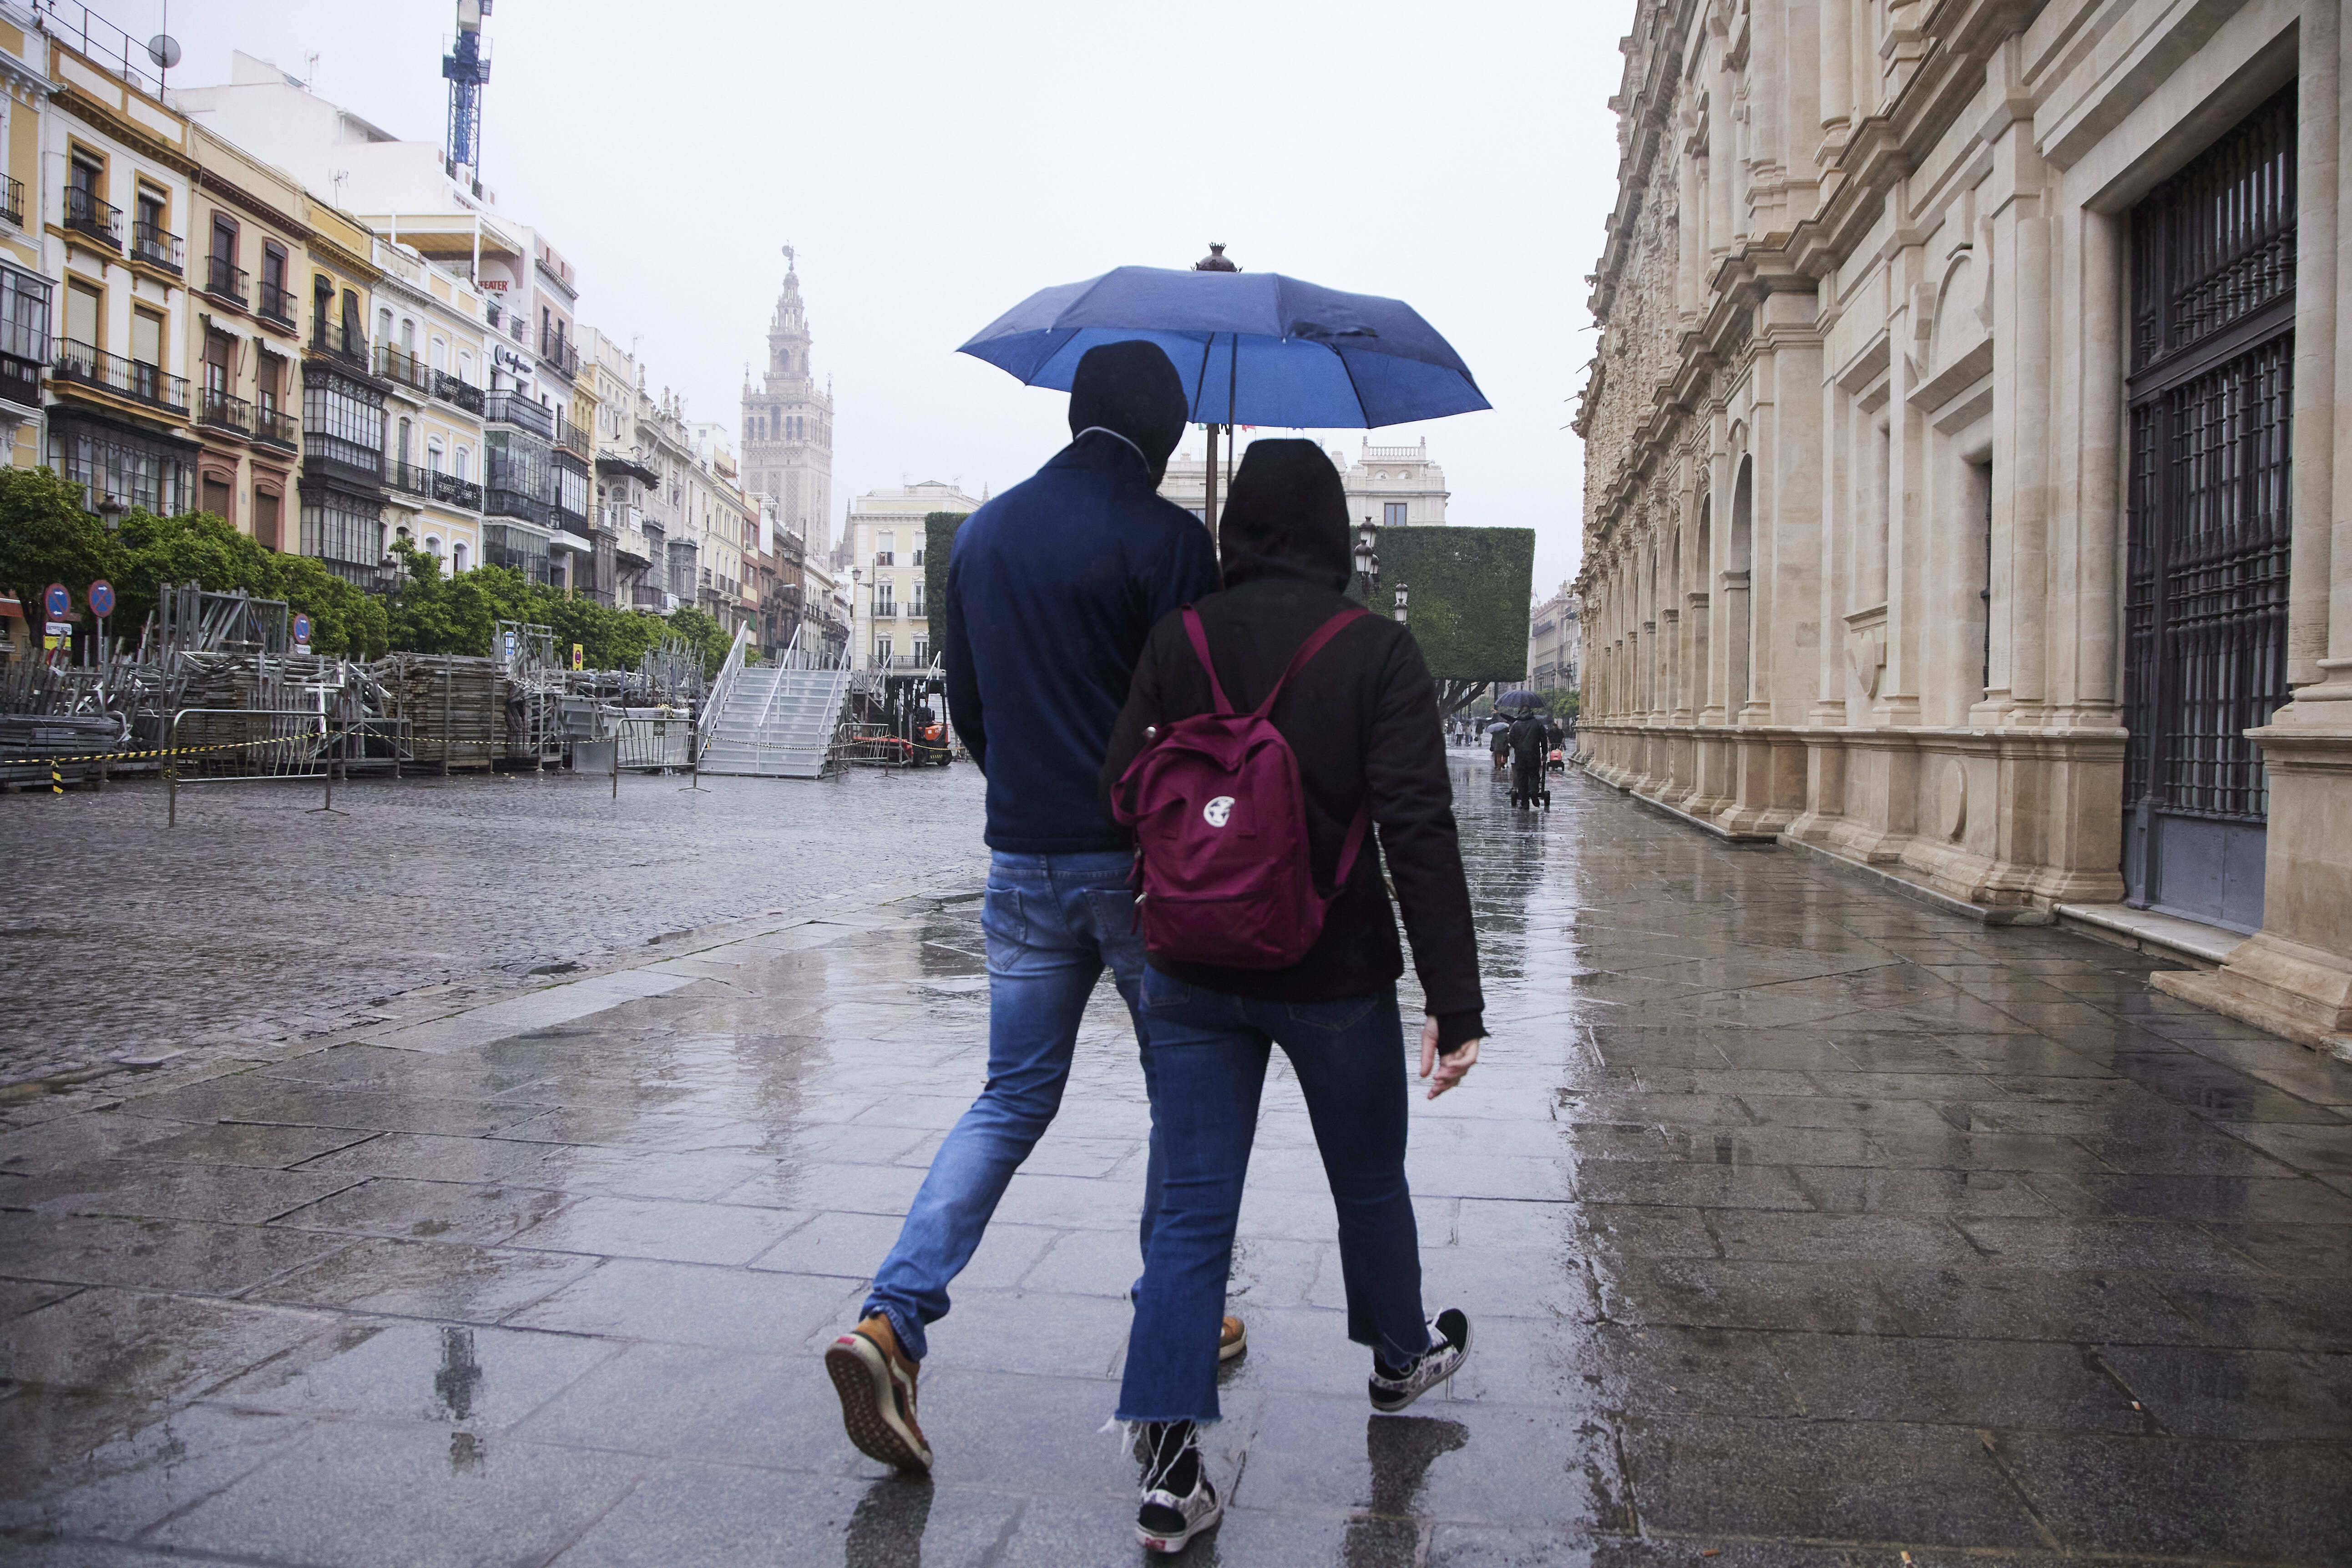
(79, 363)
(85, 215)
(517, 408)
(407, 479)
(451, 491)
(558, 354)
(276, 427)
(573, 440)
(648, 596)
(450, 390)
(225, 281)
(216, 407)
(12, 200)
(402, 365)
(345, 343)
(500, 501)
(277, 304)
(151, 243)
(23, 357)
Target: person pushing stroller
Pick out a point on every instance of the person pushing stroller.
(1530, 745)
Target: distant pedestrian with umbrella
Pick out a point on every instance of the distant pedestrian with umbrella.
(1498, 740)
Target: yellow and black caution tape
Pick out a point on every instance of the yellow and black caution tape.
(8, 762)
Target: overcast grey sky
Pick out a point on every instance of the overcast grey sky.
(934, 163)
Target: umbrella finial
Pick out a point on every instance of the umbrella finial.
(1216, 260)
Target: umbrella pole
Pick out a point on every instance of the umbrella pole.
(1209, 508)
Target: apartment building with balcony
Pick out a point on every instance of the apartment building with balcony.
(890, 621)
(1393, 486)
(1555, 641)
(722, 520)
(428, 342)
(343, 405)
(24, 290)
(114, 197)
(251, 223)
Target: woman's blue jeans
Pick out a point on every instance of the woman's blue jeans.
(1204, 1060)
(1053, 923)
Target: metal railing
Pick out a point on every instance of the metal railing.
(558, 351)
(226, 744)
(408, 479)
(154, 245)
(273, 423)
(11, 199)
(84, 214)
(517, 408)
(719, 688)
(344, 343)
(224, 279)
(216, 407)
(79, 362)
(402, 365)
(277, 304)
(573, 438)
(652, 741)
(449, 389)
(451, 491)
(500, 501)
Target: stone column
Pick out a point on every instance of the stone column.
(2021, 441)
(1837, 76)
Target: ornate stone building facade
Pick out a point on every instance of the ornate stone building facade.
(788, 426)
(1962, 494)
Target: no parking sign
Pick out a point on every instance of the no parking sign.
(302, 630)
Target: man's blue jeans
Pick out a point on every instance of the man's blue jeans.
(1204, 1060)
(1054, 922)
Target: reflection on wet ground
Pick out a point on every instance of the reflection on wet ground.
(1801, 1225)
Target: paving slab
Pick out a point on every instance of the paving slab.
(1799, 1224)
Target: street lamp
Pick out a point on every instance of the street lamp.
(1399, 604)
(1367, 561)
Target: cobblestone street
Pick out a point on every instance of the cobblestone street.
(255, 920)
(1801, 1225)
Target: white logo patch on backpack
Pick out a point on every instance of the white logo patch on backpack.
(1218, 811)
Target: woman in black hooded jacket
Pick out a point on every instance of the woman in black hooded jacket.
(1361, 719)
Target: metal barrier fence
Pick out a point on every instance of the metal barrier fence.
(650, 742)
(227, 745)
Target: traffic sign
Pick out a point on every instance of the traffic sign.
(58, 602)
(101, 597)
(301, 628)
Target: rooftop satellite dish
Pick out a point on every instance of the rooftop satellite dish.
(165, 51)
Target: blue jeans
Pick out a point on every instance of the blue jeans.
(1054, 922)
(1204, 1061)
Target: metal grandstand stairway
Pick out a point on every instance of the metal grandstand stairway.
(774, 721)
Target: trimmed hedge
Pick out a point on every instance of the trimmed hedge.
(1467, 597)
(939, 538)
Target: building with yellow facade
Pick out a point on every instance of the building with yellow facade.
(24, 290)
(245, 337)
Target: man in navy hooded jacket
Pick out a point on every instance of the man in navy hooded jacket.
(1051, 589)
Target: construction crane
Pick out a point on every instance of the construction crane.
(467, 67)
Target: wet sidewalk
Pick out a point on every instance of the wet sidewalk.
(1800, 1225)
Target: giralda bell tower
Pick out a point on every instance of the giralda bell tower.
(788, 425)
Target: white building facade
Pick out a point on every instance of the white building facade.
(1391, 486)
(890, 626)
(1963, 470)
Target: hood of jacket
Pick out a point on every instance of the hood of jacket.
(1131, 390)
(1288, 517)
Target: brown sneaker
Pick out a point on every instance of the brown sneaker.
(876, 1383)
(1232, 1340)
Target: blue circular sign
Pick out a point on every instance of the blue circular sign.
(60, 601)
(301, 628)
(101, 597)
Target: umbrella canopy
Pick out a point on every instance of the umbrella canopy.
(1497, 728)
(1522, 699)
(1253, 348)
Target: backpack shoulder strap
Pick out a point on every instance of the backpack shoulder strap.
(1201, 647)
(1308, 650)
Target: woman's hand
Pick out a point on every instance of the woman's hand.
(1450, 1069)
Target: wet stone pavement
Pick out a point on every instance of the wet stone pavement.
(1800, 1226)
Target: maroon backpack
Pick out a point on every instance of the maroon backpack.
(1221, 831)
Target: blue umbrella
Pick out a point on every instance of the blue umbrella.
(1253, 348)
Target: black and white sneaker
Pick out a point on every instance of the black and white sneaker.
(1178, 1503)
(1394, 1388)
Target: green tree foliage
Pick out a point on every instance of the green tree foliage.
(433, 613)
(1467, 600)
(1562, 703)
(938, 540)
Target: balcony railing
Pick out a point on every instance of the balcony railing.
(500, 501)
(85, 215)
(152, 244)
(573, 440)
(886, 558)
(450, 390)
(451, 491)
(79, 363)
(517, 408)
(649, 597)
(402, 365)
(12, 200)
(885, 610)
(336, 457)
(225, 281)
(216, 407)
(23, 357)
(408, 479)
(277, 304)
(274, 425)
(345, 343)
(560, 353)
